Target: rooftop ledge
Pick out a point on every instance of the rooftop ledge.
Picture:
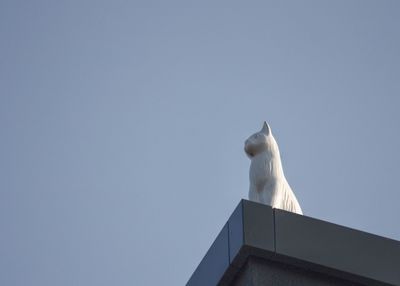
(258, 231)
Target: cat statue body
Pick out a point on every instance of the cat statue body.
(268, 184)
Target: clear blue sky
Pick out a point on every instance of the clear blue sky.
(122, 127)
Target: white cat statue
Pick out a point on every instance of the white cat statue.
(268, 184)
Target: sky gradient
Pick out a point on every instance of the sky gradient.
(123, 122)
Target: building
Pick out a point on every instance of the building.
(264, 246)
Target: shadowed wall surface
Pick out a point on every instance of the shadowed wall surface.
(259, 272)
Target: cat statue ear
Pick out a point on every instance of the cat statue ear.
(266, 129)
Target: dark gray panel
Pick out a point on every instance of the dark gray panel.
(258, 224)
(215, 262)
(337, 247)
(236, 231)
(261, 272)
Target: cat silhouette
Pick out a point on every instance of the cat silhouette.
(268, 184)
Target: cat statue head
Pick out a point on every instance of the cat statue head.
(260, 142)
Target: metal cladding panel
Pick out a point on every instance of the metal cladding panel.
(236, 237)
(215, 262)
(258, 226)
(337, 247)
(251, 227)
